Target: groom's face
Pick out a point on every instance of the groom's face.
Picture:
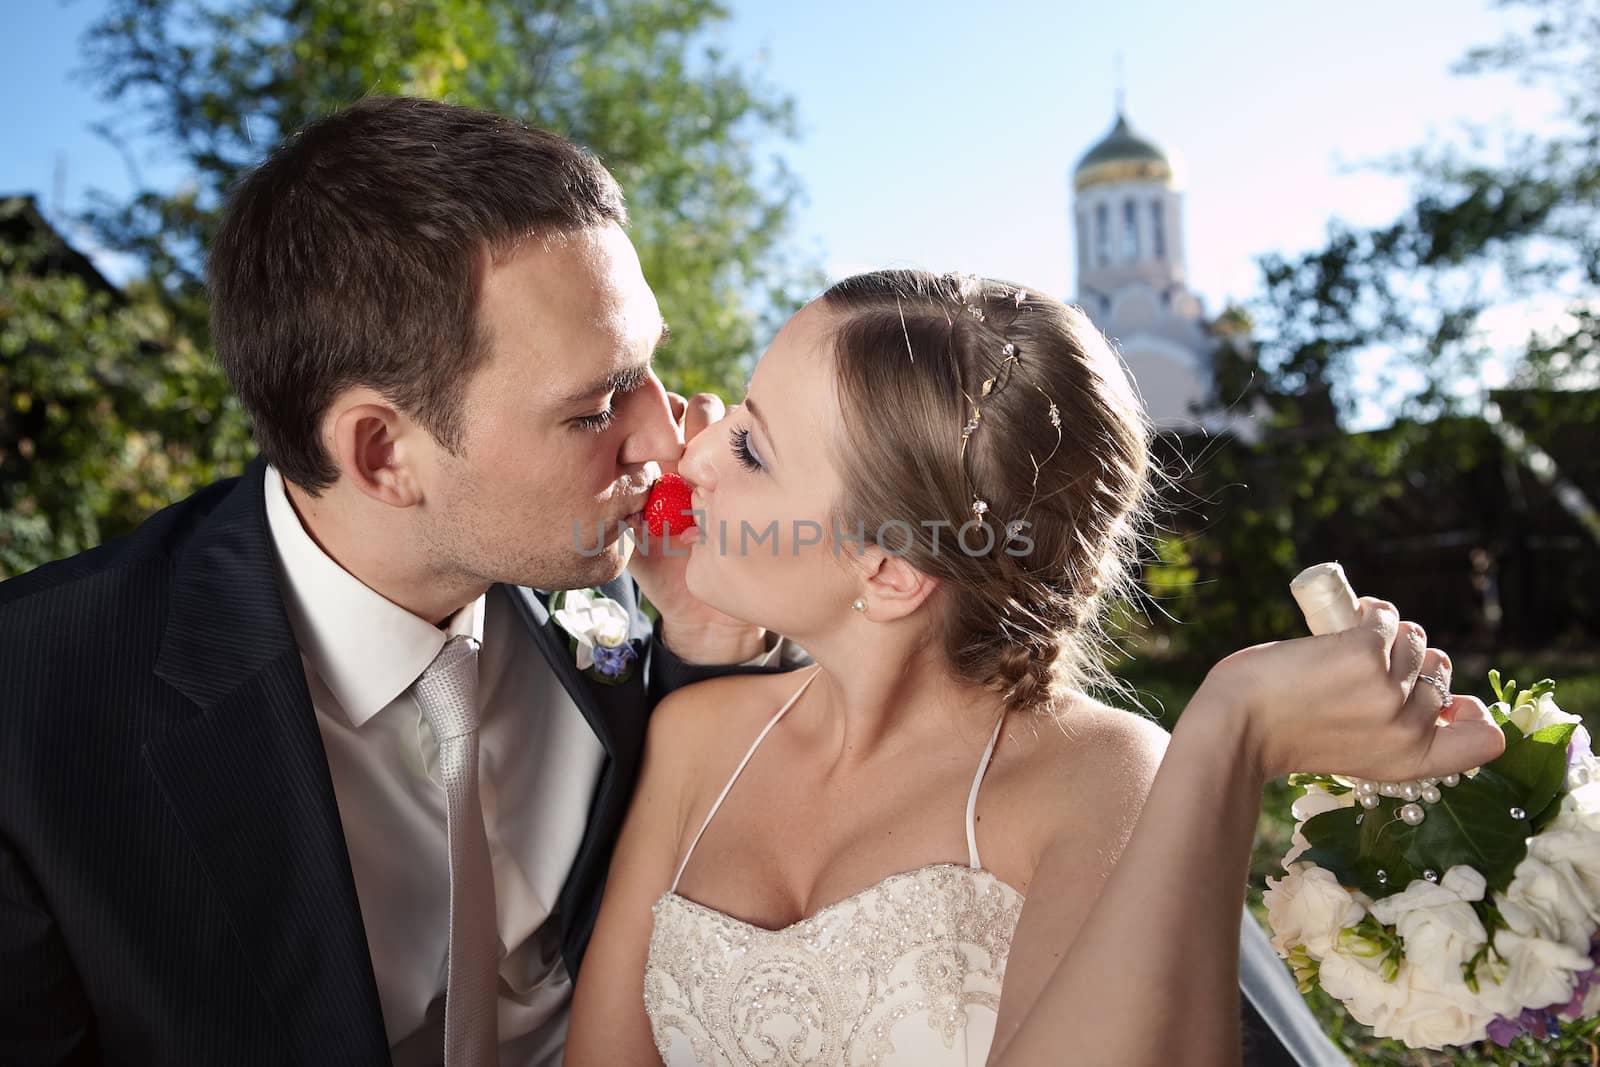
(566, 423)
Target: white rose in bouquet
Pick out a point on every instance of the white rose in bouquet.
(1529, 972)
(1411, 1007)
(1438, 926)
(1580, 808)
(1535, 715)
(1353, 973)
(1430, 1003)
(1433, 1014)
(1555, 893)
(1308, 908)
(1316, 800)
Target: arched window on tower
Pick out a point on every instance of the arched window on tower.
(1083, 241)
(1102, 234)
(1130, 230)
(1158, 231)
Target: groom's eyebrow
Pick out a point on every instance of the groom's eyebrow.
(620, 381)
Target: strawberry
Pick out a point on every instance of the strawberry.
(667, 510)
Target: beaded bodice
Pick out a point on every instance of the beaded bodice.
(906, 972)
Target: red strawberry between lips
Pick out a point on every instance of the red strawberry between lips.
(667, 509)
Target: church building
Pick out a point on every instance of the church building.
(1132, 280)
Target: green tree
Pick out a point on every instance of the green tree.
(110, 411)
(1502, 219)
(686, 130)
(113, 404)
(1485, 227)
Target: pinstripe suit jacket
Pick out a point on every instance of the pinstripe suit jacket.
(174, 883)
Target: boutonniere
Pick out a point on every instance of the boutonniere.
(597, 629)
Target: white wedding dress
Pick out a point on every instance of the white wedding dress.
(906, 972)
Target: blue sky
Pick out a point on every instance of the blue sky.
(942, 135)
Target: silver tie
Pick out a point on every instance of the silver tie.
(447, 693)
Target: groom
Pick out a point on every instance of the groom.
(227, 833)
(244, 808)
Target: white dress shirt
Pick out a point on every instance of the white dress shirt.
(540, 763)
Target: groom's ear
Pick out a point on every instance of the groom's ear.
(376, 447)
(895, 588)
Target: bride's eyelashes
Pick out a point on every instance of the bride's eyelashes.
(740, 441)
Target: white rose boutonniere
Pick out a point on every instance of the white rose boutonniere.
(597, 628)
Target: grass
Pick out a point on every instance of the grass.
(1163, 691)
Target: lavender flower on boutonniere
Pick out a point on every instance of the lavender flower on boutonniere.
(597, 628)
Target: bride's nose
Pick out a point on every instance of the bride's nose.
(696, 466)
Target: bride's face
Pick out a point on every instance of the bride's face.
(765, 485)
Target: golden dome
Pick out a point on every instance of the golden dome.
(1121, 155)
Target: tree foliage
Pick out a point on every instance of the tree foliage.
(114, 405)
(1508, 220)
(110, 411)
(1486, 228)
(686, 130)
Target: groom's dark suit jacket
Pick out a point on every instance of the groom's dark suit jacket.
(174, 883)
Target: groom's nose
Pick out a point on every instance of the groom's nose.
(655, 433)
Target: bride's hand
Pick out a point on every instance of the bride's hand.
(1351, 703)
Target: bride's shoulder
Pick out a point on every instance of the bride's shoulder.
(1088, 752)
(727, 712)
(1089, 729)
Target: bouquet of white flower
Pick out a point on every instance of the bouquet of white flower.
(1448, 911)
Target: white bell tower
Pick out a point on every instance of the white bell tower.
(1128, 215)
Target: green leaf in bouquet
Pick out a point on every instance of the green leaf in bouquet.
(1557, 741)
(1502, 719)
(1483, 822)
(1537, 763)
(1472, 824)
(1378, 853)
(1353, 844)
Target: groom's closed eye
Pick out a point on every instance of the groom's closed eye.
(623, 382)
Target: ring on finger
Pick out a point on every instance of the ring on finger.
(1439, 684)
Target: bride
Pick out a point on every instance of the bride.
(932, 847)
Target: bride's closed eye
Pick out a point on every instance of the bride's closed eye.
(740, 441)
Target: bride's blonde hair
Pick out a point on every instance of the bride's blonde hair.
(1054, 437)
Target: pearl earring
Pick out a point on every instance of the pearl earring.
(859, 604)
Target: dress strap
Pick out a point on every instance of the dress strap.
(972, 798)
(738, 771)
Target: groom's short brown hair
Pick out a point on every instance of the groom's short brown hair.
(354, 254)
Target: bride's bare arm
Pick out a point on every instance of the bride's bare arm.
(1107, 786)
(608, 1024)
(1150, 964)
(1151, 974)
